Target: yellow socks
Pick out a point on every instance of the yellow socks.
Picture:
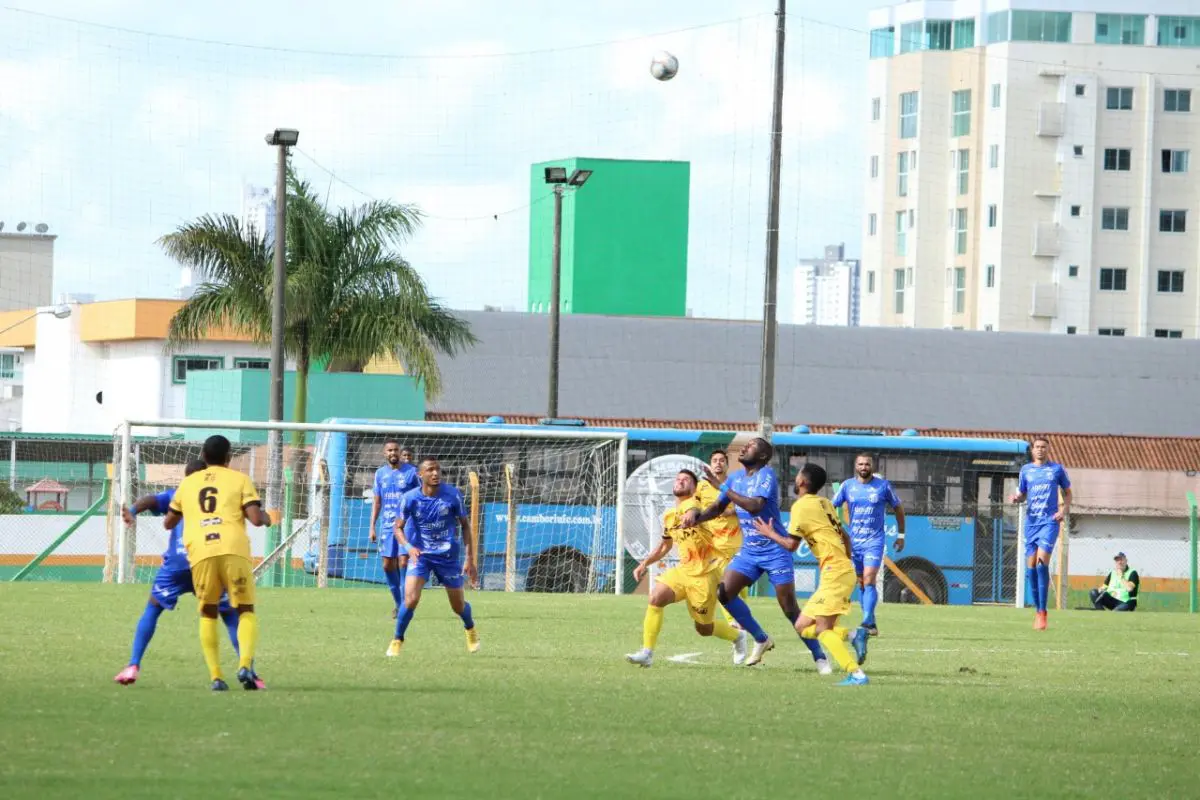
(652, 626)
(723, 630)
(247, 639)
(210, 645)
(835, 645)
(811, 632)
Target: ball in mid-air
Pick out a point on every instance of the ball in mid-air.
(664, 66)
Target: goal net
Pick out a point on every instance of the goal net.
(543, 504)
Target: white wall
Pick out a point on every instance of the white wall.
(1157, 548)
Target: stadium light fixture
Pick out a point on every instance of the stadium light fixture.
(579, 177)
(556, 174)
(283, 137)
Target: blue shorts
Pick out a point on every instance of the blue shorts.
(776, 562)
(867, 553)
(449, 571)
(170, 584)
(389, 545)
(1042, 536)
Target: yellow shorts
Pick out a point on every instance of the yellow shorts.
(699, 591)
(832, 598)
(228, 573)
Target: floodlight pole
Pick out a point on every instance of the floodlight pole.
(555, 278)
(282, 140)
(766, 397)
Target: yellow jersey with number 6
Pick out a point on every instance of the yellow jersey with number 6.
(212, 502)
(814, 520)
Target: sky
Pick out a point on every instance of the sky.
(122, 119)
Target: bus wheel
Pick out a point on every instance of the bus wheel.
(928, 580)
(558, 569)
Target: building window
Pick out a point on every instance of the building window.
(1114, 219)
(1071, 330)
(964, 171)
(960, 290)
(1179, 31)
(874, 166)
(872, 222)
(1177, 100)
(899, 301)
(1172, 221)
(870, 281)
(993, 215)
(1170, 281)
(1163, 333)
(1119, 98)
(901, 234)
(989, 273)
(964, 33)
(8, 366)
(997, 27)
(1111, 331)
(995, 95)
(182, 365)
(993, 156)
(1174, 160)
(1041, 26)
(960, 231)
(1112, 279)
(1078, 150)
(902, 174)
(909, 104)
(938, 34)
(1076, 211)
(1081, 90)
(1073, 271)
(883, 42)
(1117, 159)
(1120, 29)
(252, 363)
(875, 109)
(962, 112)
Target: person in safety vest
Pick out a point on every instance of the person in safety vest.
(1120, 589)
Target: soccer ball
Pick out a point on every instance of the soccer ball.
(664, 66)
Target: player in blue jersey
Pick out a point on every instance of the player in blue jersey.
(1039, 483)
(174, 578)
(754, 491)
(434, 530)
(392, 480)
(868, 497)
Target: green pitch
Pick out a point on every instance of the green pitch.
(963, 702)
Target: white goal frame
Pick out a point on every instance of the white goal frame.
(124, 448)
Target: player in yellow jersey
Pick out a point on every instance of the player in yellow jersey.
(727, 531)
(814, 521)
(215, 503)
(695, 579)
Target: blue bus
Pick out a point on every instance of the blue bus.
(961, 536)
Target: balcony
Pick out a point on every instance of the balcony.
(1044, 302)
(1046, 242)
(1051, 119)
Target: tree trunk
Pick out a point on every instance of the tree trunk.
(300, 399)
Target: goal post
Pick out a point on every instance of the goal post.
(544, 504)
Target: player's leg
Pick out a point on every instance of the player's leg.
(819, 619)
(741, 573)
(389, 551)
(237, 577)
(451, 576)
(1045, 548)
(668, 588)
(164, 595)
(418, 574)
(701, 594)
(1031, 576)
(872, 559)
(207, 580)
(231, 618)
(785, 595)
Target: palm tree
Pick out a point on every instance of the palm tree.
(350, 296)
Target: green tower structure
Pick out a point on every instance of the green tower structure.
(624, 238)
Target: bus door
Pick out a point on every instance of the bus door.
(995, 535)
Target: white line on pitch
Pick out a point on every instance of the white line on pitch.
(685, 658)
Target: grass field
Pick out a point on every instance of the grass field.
(963, 702)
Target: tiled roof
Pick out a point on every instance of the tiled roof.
(1081, 451)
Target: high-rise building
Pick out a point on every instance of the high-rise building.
(258, 210)
(26, 266)
(1028, 166)
(624, 238)
(825, 291)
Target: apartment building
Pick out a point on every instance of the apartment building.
(1029, 167)
(825, 291)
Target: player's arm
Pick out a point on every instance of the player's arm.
(468, 548)
(693, 517)
(898, 510)
(149, 502)
(376, 503)
(1022, 490)
(1065, 508)
(405, 545)
(658, 554)
(790, 542)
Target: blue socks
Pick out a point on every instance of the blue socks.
(395, 582)
(737, 607)
(468, 623)
(813, 645)
(1043, 585)
(230, 618)
(144, 632)
(870, 599)
(1031, 580)
(403, 618)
